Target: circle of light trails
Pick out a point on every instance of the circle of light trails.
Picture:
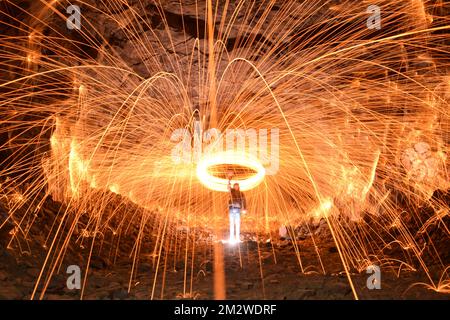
(230, 158)
(341, 94)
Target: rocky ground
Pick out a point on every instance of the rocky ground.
(254, 270)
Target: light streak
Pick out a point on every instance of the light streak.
(229, 158)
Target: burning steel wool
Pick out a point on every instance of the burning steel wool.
(130, 117)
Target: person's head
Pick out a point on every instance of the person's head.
(236, 186)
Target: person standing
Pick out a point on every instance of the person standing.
(237, 205)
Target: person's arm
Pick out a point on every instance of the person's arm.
(230, 175)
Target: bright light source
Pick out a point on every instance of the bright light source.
(231, 242)
(230, 158)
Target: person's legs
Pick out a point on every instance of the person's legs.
(231, 224)
(237, 220)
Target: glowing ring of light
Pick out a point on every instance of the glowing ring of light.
(230, 158)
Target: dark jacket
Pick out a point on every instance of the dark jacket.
(237, 198)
